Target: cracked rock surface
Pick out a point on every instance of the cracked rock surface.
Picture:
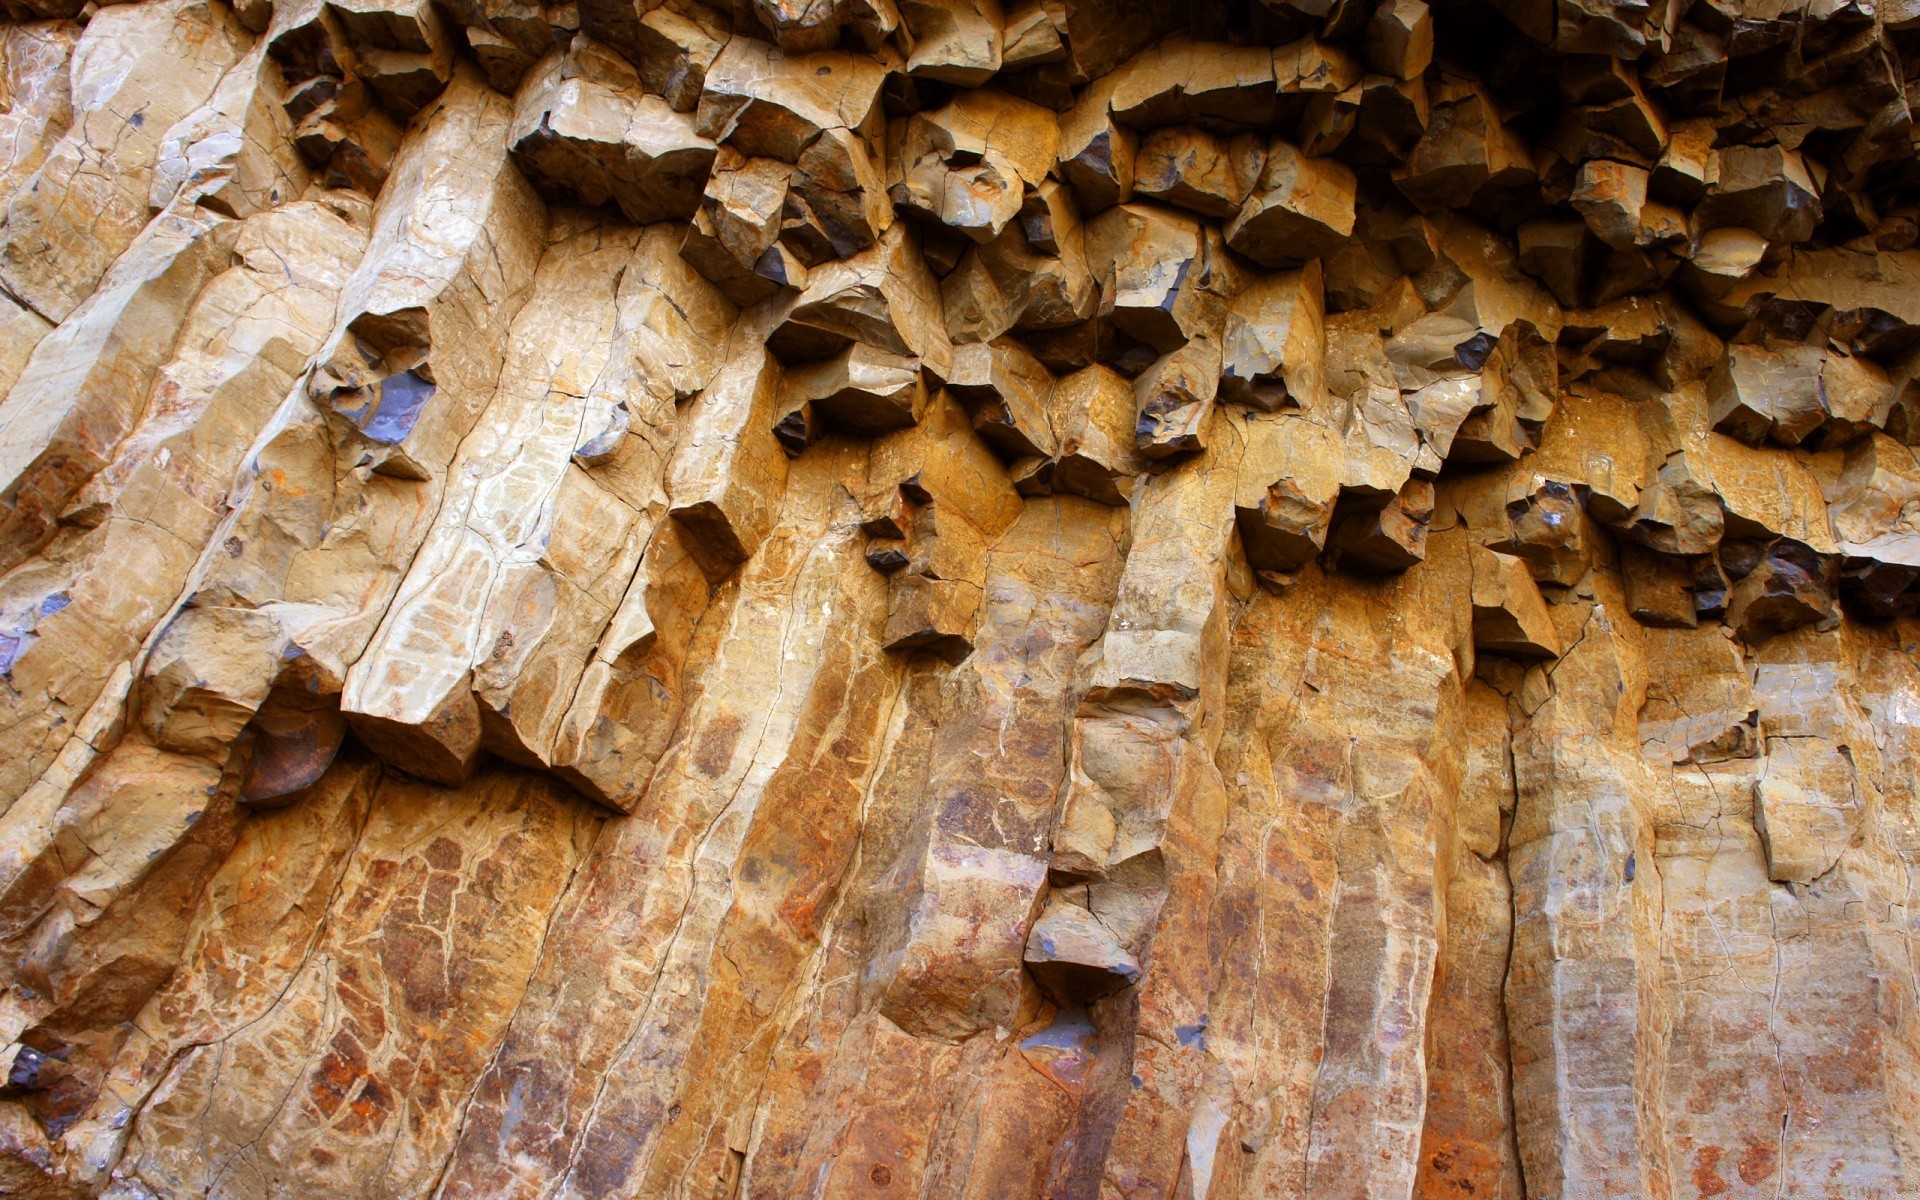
(959, 599)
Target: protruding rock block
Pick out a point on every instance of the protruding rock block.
(765, 103)
(1275, 343)
(583, 127)
(968, 165)
(1148, 262)
(1384, 538)
(1509, 615)
(1289, 483)
(1199, 171)
(1175, 397)
(1762, 393)
(87, 197)
(954, 41)
(1519, 385)
(1008, 391)
(883, 297)
(1075, 956)
(1301, 208)
(1092, 415)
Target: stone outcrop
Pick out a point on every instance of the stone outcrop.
(959, 598)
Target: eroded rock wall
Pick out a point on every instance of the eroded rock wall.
(937, 598)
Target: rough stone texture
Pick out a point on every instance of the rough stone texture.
(965, 599)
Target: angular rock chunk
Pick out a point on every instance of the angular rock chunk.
(1091, 413)
(968, 165)
(1301, 208)
(1399, 38)
(675, 52)
(1289, 483)
(1034, 276)
(765, 103)
(1199, 171)
(861, 390)
(724, 485)
(1275, 343)
(938, 487)
(1180, 79)
(1790, 586)
(1148, 262)
(1096, 151)
(732, 238)
(1467, 158)
(1175, 397)
(87, 199)
(1678, 512)
(1382, 538)
(1519, 384)
(883, 297)
(1760, 393)
(1075, 956)
(1007, 390)
(401, 48)
(582, 127)
(1509, 615)
(954, 41)
(1762, 188)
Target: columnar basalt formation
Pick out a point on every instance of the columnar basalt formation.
(960, 599)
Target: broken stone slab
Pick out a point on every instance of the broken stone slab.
(1180, 79)
(87, 199)
(583, 127)
(765, 103)
(969, 164)
(1075, 956)
(1289, 482)
(403, 49)
(1467, 157)
(1301, 208)
(1092, 414)
(1274, 345)
(883, 297)
(1379, 538)
(86, 384)
(1175, 398)
(1008, 391)
(861, 391)
(1760, 393)
(1148, 262)
(514, 582)
(1519, 386)
(954, 41)
(1509, 615)
(1197, 170)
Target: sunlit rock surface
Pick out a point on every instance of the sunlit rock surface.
(1234, 600)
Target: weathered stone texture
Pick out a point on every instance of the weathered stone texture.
(968, 599)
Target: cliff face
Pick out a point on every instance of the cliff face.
(864, 599)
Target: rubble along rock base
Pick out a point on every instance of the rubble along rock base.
(959, 599)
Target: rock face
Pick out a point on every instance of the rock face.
(954, 599)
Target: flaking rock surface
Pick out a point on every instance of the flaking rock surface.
(959, 599)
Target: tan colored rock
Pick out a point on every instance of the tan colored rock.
(1274, 345)
(87, 197)
(582, 127)
(1301, 208)
(1509, 616)
(1302, 599)
(954, 41)
(764, 103)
